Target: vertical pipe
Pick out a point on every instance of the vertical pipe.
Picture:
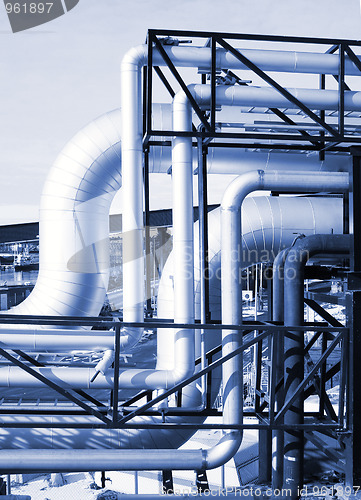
(232, 370)
(182, 186)
(202, 226)
(354, 315)
(277, 364)
(116, 375)
(213, 83)
(148, 260)
(293, 375)
(132, 160)
(294, 345)
(341, 90)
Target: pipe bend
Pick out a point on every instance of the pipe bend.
(240, 188)
(306, 247)
(136, 57)
(181, 99)
(224, 450)
(179, 374)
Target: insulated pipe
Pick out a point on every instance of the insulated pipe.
(295, 262)
(267, 60)
(57, 340)
(132, 159)
(239, 95)
(231, 212)
(74, 214)
(182, 182)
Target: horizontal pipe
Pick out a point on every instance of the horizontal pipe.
(56, 342)
(239, 95)
(267, 60)
(17, 461)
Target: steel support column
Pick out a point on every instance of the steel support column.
(353, 443)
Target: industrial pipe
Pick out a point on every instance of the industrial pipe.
(296, 260)
(277, 364)
(132, 160)
(57, 340)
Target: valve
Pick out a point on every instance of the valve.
(169, 40)
(103, 364)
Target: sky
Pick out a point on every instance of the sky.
(59, 76)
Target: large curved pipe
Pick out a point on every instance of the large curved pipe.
(73, 270)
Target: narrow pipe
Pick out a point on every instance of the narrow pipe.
(295, 263)
(277, 364)
(132, 160)
(182, 182)
(268, 97)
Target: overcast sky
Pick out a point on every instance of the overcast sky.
(59, 76)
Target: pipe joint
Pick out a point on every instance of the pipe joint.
(136, 57)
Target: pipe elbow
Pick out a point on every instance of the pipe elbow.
(179, 374)
(224, 450)
(240, 188)
(181, 100)
(135, 58)
(130, 336)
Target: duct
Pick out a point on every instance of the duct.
(295, 262)
(73, 271)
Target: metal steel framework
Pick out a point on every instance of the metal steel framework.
(343, 423)
(321, 137)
